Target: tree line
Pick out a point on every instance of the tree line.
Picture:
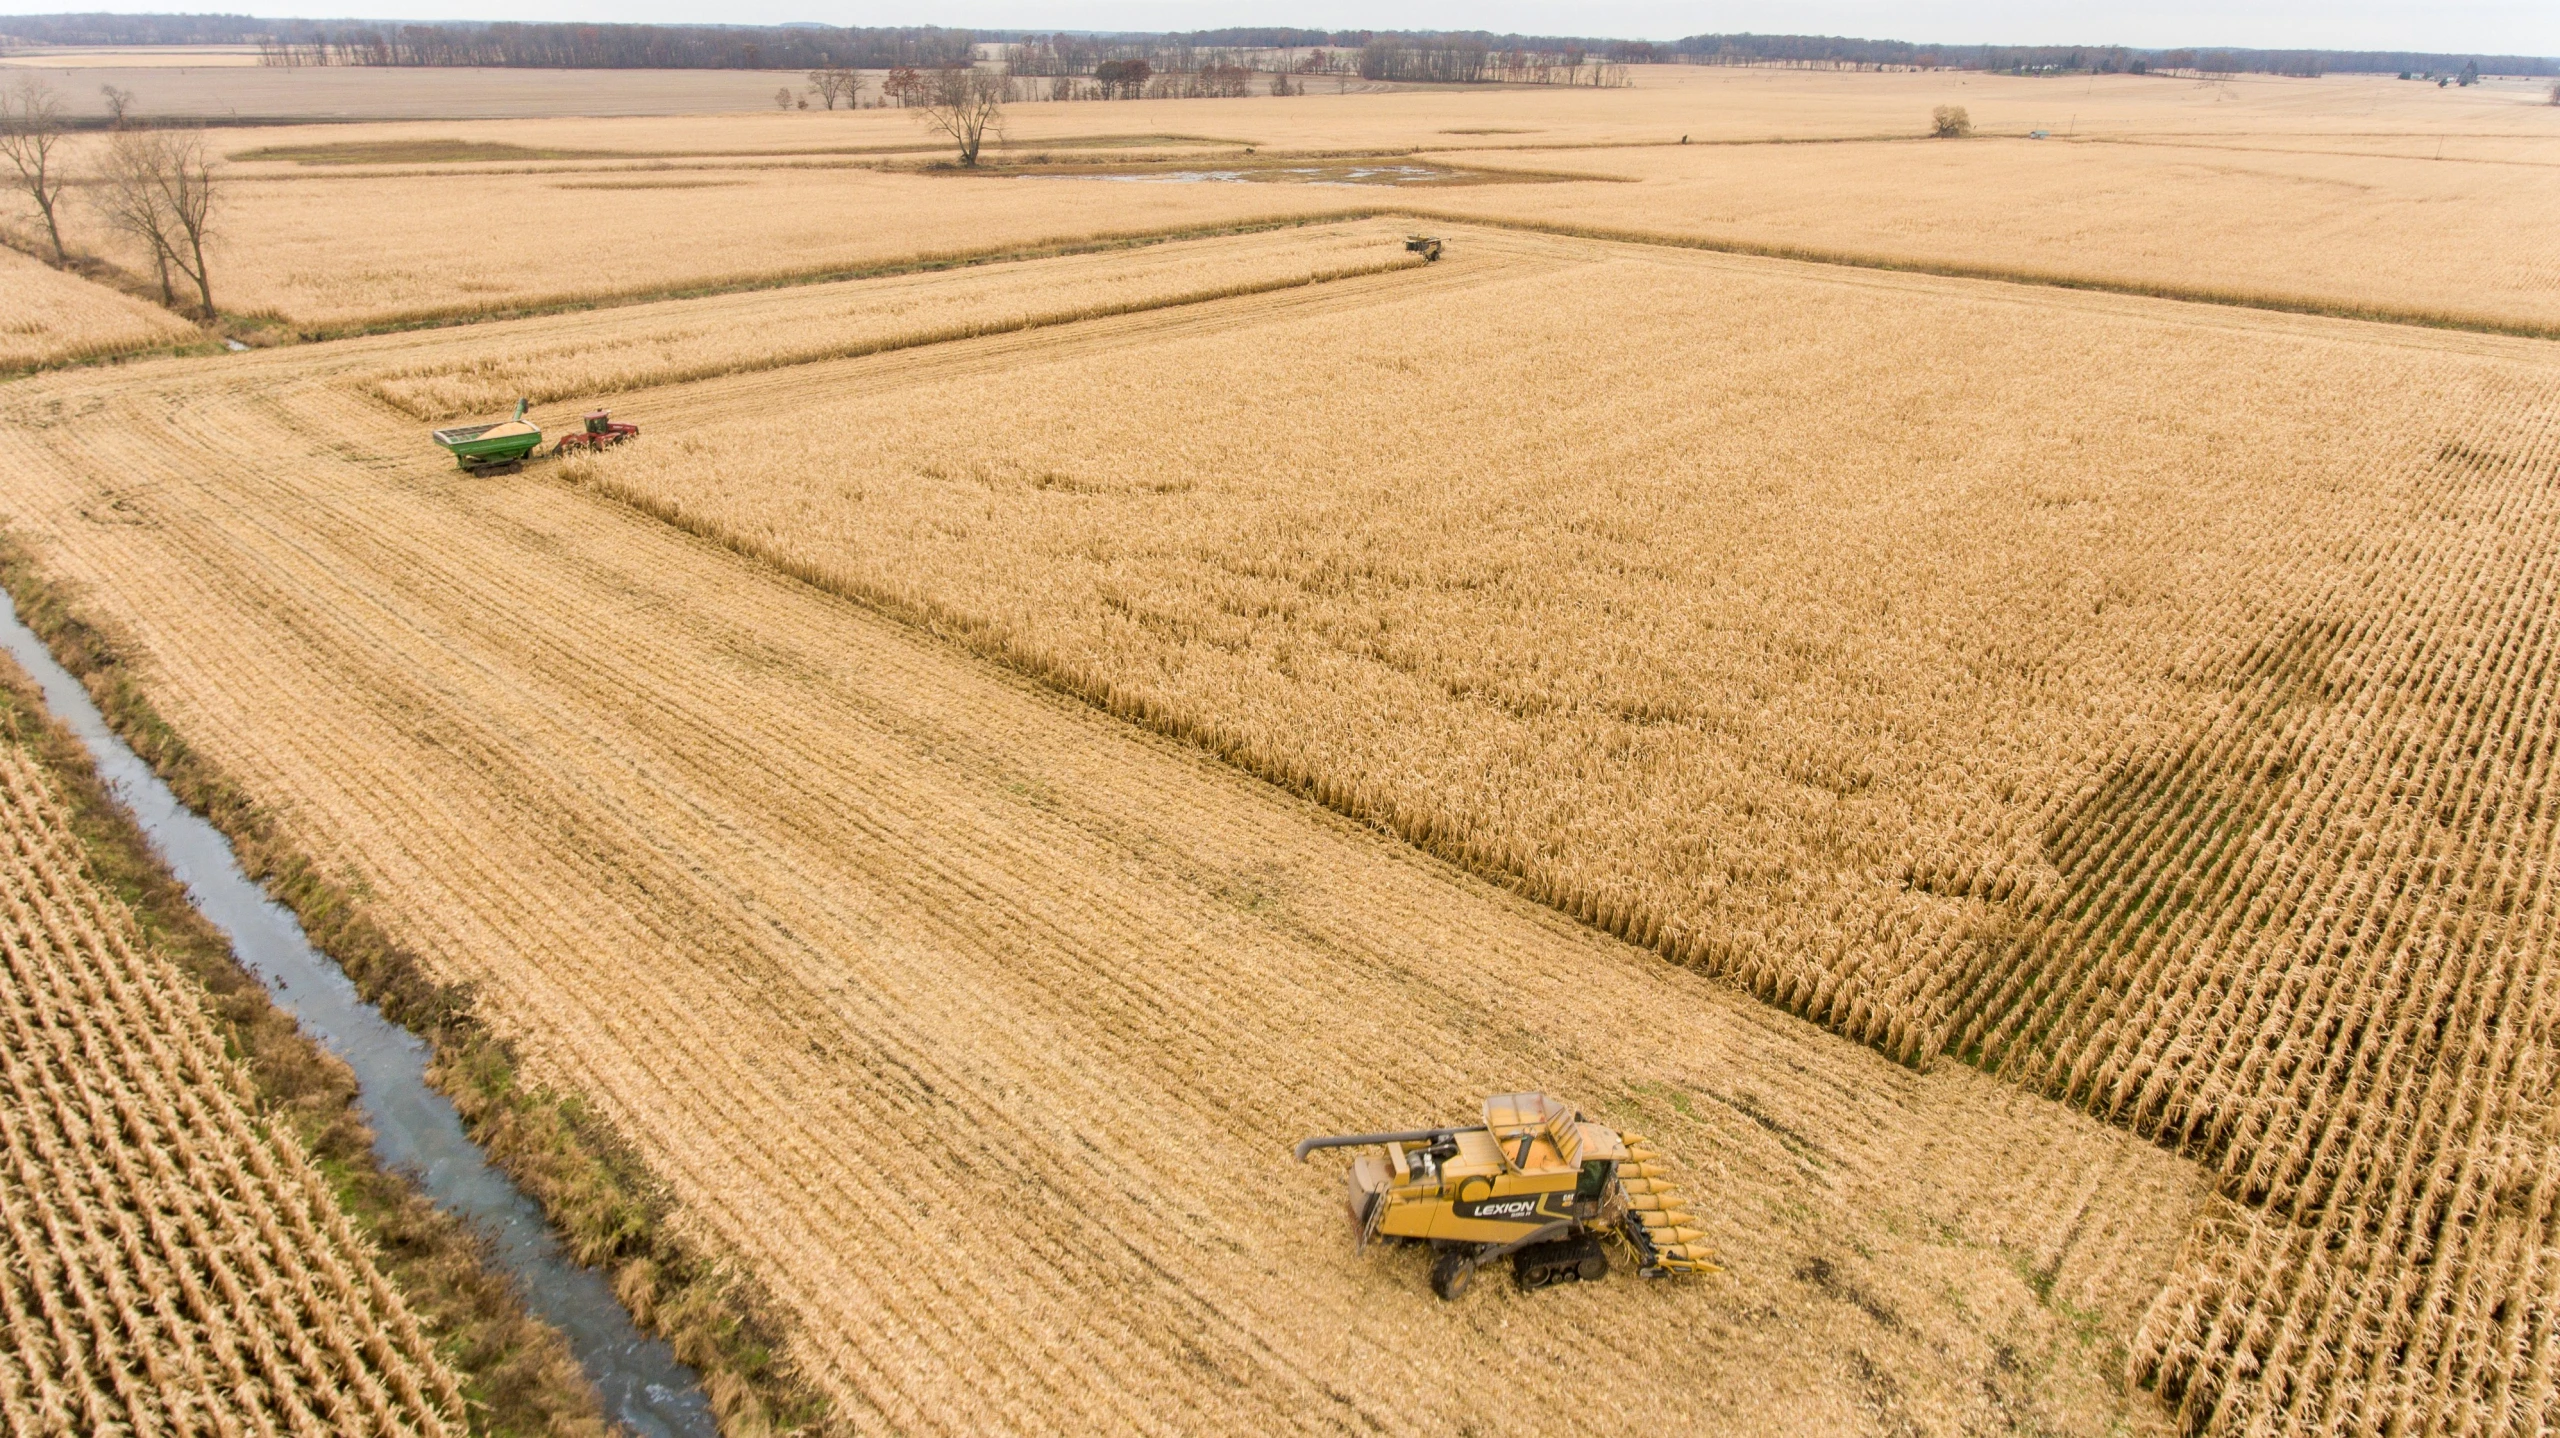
(2084, 59)
(1160, 67)
(1395, 53)
(506, 45)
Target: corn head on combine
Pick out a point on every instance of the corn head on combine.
(1535, 1183)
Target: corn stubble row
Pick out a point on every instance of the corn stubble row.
(2154, 709)
(167, 1261)
(334, 252)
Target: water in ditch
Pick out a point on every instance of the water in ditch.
(645, 1388)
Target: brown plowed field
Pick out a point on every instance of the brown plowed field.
(169, 1260)
(977, 1023)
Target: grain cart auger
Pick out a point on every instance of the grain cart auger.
(1535, 1183)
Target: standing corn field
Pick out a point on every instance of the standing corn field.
(888, 961)
(172, 1262)
(2172, 741)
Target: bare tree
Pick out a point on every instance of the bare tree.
(30, 131)
(131, 204)
(836, 82)
(782, 99)
(119, 106)
(161, 190)
(965, 104)
(1950, 122)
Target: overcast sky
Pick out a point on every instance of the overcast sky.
(2526, 27)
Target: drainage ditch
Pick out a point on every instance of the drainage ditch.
(415, 1128)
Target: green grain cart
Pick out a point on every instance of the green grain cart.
(482, 448)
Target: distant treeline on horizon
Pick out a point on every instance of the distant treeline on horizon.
(802, 47)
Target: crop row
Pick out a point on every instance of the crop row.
(171, 1262)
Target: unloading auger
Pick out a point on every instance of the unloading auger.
(1536, 1182)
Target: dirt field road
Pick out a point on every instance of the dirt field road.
(977, 1024)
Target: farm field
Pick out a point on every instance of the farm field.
(170, 1257)
(580, 240)
(684, 109)
(2406, 234)
(2442, 208)
(2040, 725)
(488, 367)
(220, 88)
(2034, 797)
(976, 1023)
(53, 317)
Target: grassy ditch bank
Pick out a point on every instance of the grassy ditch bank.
(608, 1210)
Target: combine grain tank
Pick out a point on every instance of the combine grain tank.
(1536, 1183)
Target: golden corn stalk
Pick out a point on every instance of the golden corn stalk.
(169, 1261)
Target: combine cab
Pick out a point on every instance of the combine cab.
(1535, 1183)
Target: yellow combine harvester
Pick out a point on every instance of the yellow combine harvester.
(1535, 1182)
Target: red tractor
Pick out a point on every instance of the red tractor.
(600, 431)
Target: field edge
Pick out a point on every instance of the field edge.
(2263, 300)
(602, 1201)
(513, 1365)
